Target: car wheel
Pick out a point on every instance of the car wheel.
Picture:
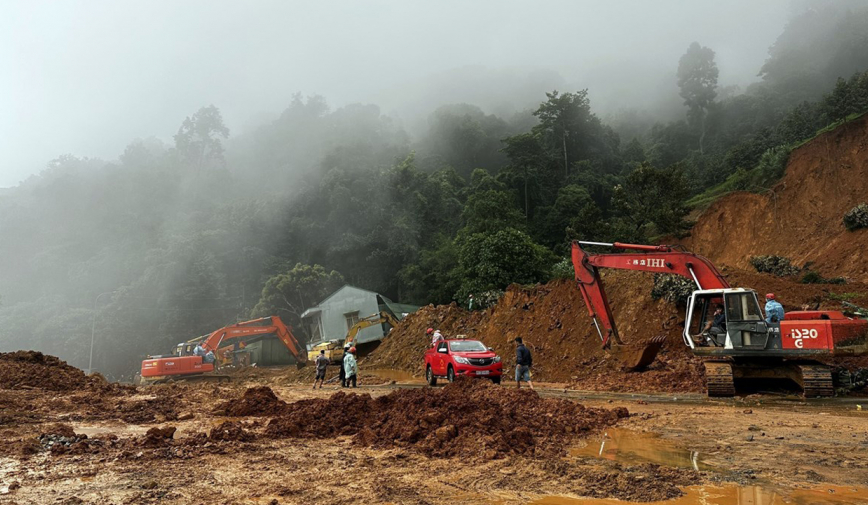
(429, 376)
(450, 374)
(495, 380)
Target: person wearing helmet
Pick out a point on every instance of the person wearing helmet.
(436, 338)
(343, 375)
(350, 368)
(774, 310)
(429, 332)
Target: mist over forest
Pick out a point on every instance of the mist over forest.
(467, 165)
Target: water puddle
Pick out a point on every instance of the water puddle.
(395, 375)
(737, 495)
(633, 447)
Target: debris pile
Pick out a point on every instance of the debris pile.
(466, 418)
(34, 370)
(256, 401)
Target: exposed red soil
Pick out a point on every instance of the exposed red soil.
(32, 369)
(554, 324)
(231, 431)
(801, 217)
(256, 401)
(466, 418)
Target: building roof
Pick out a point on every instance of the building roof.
(316, 309)
(397, 309)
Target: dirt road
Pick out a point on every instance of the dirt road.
(690, 452)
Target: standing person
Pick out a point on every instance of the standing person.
(350, 368)
(321, 364)
(437, 338)
(343, 372)
(774, 310)
(470, 303)
(523, 362)
(428, 333)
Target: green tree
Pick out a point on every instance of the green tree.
(288, 294)
(574, 213)
(565, 119)
(526, 154)
(198, 139)
(697, 78)
(653, 196)
(492, 261)
(490, 207)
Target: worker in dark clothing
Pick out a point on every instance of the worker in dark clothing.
(523, 362)
(715, 328)
(322, 362)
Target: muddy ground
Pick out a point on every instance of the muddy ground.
(267, 438)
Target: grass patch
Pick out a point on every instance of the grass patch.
(843, 297)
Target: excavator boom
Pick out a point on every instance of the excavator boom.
(657, 259)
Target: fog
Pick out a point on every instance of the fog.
(88, 77)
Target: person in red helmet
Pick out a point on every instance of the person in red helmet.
(350, 368)
(428, 333)
(774, 310)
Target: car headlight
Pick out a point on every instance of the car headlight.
(462, 360)
(496, 359)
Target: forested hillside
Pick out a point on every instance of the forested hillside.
(176, 238)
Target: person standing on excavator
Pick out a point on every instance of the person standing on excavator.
(350, 368)
(774, 310)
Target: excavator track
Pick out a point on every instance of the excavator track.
(719, 379)
(817, 380)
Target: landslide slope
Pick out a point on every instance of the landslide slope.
(555, 325)
(801, 217)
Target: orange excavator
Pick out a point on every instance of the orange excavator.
(746, 347)
(185, 365)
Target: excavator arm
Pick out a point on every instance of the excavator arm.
(373, 319)
(262, 326)
(657, 259)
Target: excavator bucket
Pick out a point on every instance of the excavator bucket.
(637, 356)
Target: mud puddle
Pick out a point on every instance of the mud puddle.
(634, 447)
(737, 495)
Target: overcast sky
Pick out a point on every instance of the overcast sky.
(87, 77)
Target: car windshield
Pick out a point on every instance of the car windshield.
(468, 346)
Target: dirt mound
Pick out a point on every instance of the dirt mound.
(231, 431)
(465, 418)
(31, 369)
(801, 217)
(256, 401)
(156, 437)
(554, 324)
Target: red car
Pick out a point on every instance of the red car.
(462, 357)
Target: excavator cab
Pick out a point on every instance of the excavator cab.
(744, 327)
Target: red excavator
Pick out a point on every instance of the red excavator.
(184, 365)
(747, 347)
